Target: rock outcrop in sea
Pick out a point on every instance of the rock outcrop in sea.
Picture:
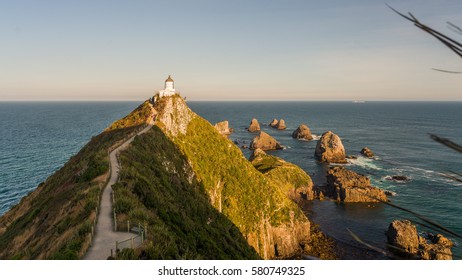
(367, 152)
(223, 128)
(265, 142)
(348, 186)
(254, 126)
(281, 124)
(273, 123)
(302, 132)
(404, 240)
(330, 149)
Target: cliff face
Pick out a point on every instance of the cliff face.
(268, 220)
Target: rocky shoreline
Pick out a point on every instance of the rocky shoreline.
(342, 186)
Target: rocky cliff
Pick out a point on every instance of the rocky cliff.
(269, 221)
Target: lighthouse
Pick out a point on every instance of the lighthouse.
(169, 89)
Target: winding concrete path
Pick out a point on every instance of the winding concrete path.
(105, 237)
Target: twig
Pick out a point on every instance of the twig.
(446, 142)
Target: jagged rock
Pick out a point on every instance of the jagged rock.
(351, 157)
(367, 152)
(437, 247)
(403, 235)
(302, 132)
(223, 128)
(397, 178)
(406, 242)
(257, 153)
(281, 125)
(330, 149)
(265, 142)
(348, 186)
(273, 123)
(254, 126)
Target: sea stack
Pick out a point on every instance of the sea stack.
(265, 142)
(404, 240)
(302, 132)
(254, 126)
(348, 186)
(273, 123)
(281, 125)
(223, 128)
(330, 149)
(367, 152)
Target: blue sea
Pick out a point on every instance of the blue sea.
(38, 138)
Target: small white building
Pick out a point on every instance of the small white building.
(169, 89)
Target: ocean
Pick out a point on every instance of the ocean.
(38, 138)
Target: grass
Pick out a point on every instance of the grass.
(234, 187)
(157, 187)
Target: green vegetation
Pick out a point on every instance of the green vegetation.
(138, 117)
(261, 211)
(247, 197)
(55, 220)
(157, 187)
(287, 176)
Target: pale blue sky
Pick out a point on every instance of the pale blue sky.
(226, 50)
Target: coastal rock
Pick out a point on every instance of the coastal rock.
(402, 234)
(348, 186)
(223, 128)
(281, 125)
(403, 237)
(254, 126)
(436, 247)
(273, 123)
(367, 152)
(398, 178)
(257, 153)
(265, 142)
(330, 149)
(302, 132)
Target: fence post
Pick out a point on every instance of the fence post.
(128, 226)
(115, 221)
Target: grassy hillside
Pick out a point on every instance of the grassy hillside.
(290, 178)
(158, 187)
(54, 221)
(262, 212)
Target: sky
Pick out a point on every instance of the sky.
(226, 50)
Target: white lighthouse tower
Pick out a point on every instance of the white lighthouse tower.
(169, 89)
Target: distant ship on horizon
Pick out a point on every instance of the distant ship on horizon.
(359, 101)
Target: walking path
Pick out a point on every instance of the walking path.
(105, 237)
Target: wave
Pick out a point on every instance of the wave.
(316, 137)
(366, 163)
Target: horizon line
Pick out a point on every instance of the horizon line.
(233, 100)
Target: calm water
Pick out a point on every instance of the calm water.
(38, 138)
